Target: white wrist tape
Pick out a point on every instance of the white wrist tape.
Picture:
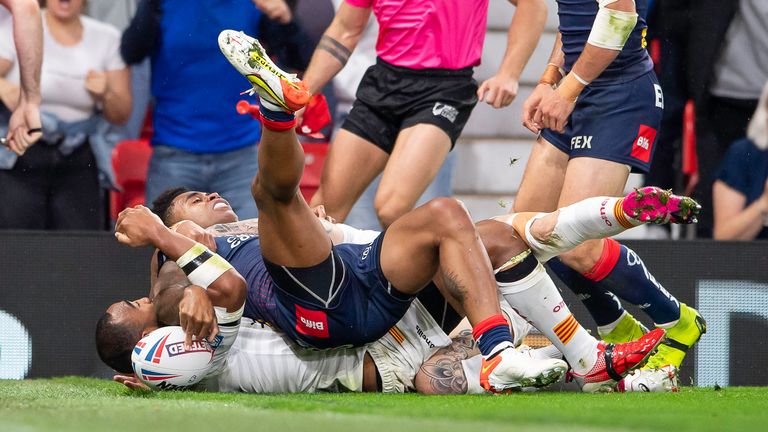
(611, 28)
(202, 266)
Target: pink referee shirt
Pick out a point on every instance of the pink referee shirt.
(425, 34)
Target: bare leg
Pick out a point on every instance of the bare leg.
(543, 178)
(417, 156)
(291, 234)
(440, 234)
(351, 166)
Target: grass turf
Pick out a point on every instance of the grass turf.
(84, 404)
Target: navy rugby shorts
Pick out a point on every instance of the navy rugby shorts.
(618, 122)
(343, 301)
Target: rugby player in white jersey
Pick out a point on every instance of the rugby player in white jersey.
(265, 361)
(422, 240)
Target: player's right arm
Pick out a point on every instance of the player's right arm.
(336, 45)
(613, 24)
(443, 373)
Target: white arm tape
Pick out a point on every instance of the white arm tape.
(611, 28)
(356, 236)
(224, 317)
(205, 273)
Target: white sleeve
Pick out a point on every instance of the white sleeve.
(356, 236)
(229, 325)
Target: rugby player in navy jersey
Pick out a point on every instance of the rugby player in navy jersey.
(326, 296)
(597, 110)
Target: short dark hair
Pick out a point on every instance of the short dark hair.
(115, 342)
(161, 206)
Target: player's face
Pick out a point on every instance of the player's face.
(140, 312)
(65, 9)
(204, 209)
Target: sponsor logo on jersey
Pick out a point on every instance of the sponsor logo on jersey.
(178, 348)
(643, 145)
(443, 110)
(312, 323)
(581, 142)
(237, 240)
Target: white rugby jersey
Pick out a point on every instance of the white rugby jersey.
(263, 360)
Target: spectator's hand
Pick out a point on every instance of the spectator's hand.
(196, 315)
(96, 84)
(25, 118)
(276, 10)
(498, 91)
(130, 381)
(553, 111)
(138, 226)
(531, 105)
(195, 232)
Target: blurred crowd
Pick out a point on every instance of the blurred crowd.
(112, 68)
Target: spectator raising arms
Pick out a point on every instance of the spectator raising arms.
(54, 185)
(740, 192)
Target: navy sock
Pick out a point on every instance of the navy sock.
(631, 281)
(276, 116)
(604, 307)
(491, 332)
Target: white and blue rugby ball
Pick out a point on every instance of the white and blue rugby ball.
(161, 362)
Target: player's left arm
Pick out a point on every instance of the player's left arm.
(613, 24)
(206, 270)
(523, 35)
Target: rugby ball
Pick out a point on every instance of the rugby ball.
(161, 362)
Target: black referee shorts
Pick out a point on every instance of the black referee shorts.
(390, 99)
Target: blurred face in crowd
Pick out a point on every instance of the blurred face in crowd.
(65, 9)
(204, 209)
(136, 314)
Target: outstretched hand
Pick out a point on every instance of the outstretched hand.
(130, 381)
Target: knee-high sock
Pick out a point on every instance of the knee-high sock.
(536, 298)
(604, 307)
(621, 271)
(592, 218)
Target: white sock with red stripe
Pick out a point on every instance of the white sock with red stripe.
(591, 218)
(537, 299)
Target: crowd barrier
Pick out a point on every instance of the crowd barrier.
(54, 286)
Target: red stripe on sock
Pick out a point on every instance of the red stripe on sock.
(607, 261)
(278, 126)
(487, 324)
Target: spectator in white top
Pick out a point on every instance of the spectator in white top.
(54, 185)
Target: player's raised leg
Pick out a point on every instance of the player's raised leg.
(540, 192)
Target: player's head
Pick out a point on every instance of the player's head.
(204, 209)
(118, 330)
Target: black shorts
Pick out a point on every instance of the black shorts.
(390, 99)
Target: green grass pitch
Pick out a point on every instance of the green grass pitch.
(84, 404)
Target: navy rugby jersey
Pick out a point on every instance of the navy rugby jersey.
(576, 19)
(243, 252)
